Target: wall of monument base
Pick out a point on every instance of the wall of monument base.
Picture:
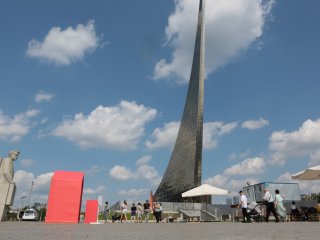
(7, 192)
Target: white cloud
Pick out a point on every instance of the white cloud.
(44, 120)
(93, 170)
(231, 28)
(242, 155)
(230, 181)
(97, 190)
(63, 47)
(250, 166)
(237, 184)
(314, 159)
(30, 113)
(13, 129)
(40, 188)
(165, 136)
(143, 160)
(144, 171)
(121, 173)
(27, 162)
(134, 192)
(306, 187)
(232, 185)
(303, 142)
(23, 181)
(43, 97)
(119, 127)
(42, 182)
(217, 181)
(255, 124)
(212, 131)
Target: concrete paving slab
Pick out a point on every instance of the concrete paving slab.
(160, 231)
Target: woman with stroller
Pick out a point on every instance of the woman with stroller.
(278, 204)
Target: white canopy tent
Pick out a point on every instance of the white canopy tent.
(312, 173)
(204, 190)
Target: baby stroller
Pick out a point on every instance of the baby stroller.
(116, 217)
(254, 211)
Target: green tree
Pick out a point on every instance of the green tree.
(312, 196)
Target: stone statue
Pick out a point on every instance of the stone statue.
(6, 167)
(7, 185)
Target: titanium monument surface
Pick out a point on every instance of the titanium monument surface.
(184, 169)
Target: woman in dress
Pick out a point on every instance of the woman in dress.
(281, 210)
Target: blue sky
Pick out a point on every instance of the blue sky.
(99, 87)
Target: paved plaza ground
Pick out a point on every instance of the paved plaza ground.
(160, 231)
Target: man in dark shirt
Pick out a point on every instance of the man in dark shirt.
(146, 208)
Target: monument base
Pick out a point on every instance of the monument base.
(7, 191)
(3, 212)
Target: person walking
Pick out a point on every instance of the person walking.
(244, 205)
(157, 211)
(106, 211)
(278, 204)
(146, 209)
(133, 212)
(124, 209)
(139, 211)
(270, 205)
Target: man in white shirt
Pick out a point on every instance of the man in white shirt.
(270, 205)
(244, 204)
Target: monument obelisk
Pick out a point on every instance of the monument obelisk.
(185, 166)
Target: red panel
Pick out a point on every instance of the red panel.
(64, 203)
(91, 211)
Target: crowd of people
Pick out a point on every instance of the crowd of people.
(138, 213)
(274, 204)
(141, 212)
